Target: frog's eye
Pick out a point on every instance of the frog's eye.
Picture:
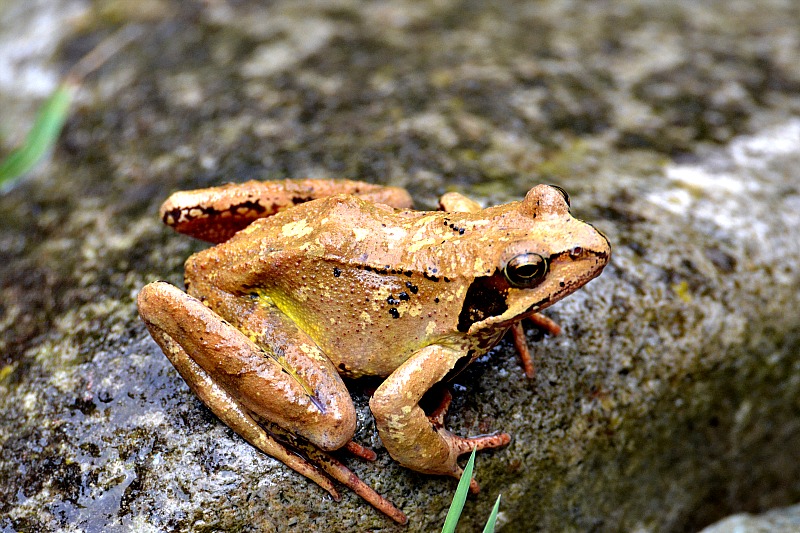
(526, 270)
(563, 193)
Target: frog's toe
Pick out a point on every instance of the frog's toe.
(368, 454)
(462, 445)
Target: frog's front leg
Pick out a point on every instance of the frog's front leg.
(521, 341)
(409, 435)
(290, 384)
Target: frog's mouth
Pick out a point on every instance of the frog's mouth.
(492, 300)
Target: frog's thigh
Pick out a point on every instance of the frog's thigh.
(293, 386)
(408, 434)
(217, 213)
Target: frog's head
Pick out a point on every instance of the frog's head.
(542, 255)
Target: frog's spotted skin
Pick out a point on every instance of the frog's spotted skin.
(343, 285)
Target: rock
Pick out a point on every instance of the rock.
(784, 520)
(671, 398)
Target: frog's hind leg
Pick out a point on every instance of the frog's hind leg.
(274, 371)
(215, 214)
(157, 296)
(250, 384)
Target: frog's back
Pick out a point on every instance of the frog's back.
(347, 230)
(337, 268)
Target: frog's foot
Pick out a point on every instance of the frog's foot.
(464, 445)
(368, 454)
(521, 341)
(341, 473)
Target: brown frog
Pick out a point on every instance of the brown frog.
(345, 279)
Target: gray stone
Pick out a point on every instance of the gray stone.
(785, 520)
(670, 401)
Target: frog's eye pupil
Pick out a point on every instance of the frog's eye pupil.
(526, 270)
(563, 193)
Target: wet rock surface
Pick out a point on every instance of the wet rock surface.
(669, 401)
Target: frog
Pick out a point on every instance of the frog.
(312, 281)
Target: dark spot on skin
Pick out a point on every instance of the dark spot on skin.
(301, 199)
(446, 279)
(409, 273)
(336, 272)
(455, 228)
(413, 288)
(394, 312)
(430, 277)
(436, 300)
(486, 297)
(237, 217)
(391, 300)
(404, 296)
(208, 211)
(562, 284)
(342, 366)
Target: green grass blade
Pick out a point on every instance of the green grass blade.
(43, 135)
(492, 517)
(460, 497)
